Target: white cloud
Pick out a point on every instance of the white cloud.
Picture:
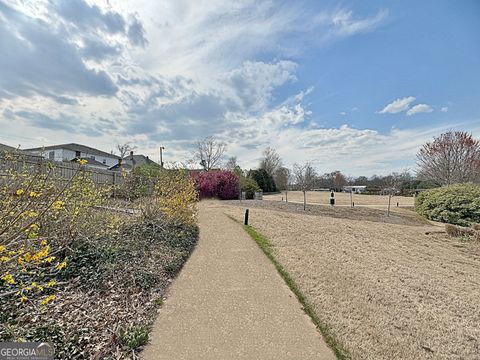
(194, 72)
(344, 22)
(398, 105)
(254, 82)
(419, 108)
(343, 113)
(444, 109)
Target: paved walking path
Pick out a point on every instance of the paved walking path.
(230, 303)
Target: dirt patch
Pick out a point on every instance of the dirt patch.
(388, 291)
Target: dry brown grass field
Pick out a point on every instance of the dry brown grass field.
(389, 288)
(323, 198)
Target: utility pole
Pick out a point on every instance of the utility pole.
(161, 156)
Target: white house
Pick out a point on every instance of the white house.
(70, 152)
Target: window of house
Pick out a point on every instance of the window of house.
(92, 157)
(104, 161)
(51, 155)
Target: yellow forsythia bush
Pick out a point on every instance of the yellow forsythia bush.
(175, 195)
(39, 215)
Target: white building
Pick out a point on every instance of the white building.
(71, 152)
(356, 189)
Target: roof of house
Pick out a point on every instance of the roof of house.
(76, 147)
(7, 148)
(139, 159)
(4, 147)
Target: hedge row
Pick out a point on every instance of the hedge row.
(455, 204)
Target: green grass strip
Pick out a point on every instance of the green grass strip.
(266, 247)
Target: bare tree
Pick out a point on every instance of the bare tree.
(304, 178)
(281, 178)
(271, 161)
(339, 180)
(209, 152)
(124, 149)
(453, 157)
(393, 181)
(231, 163)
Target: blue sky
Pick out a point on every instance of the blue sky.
(355, 86)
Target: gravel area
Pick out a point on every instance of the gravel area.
(343, 199)
(403, 216)
(387, 289)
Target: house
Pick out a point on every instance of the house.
(6, 148)
(24, 154)
(131, 161)
(73, 152)
(137, 160)
(356, 189)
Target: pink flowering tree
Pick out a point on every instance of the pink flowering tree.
(223, 185)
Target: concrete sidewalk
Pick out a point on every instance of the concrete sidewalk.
(230, 303)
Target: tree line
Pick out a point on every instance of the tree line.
(452, 157)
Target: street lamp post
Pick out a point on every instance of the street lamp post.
(161, 156)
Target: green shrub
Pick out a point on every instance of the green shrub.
(249, 186)
(455, 204)
(134, 336)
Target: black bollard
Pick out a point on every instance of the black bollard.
(246, 217)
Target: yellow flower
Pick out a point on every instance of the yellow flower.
(34, 227)
(34, 194)
(8, 278)
(58, 205)
(23, 299)
(48, 299)
(4, 259)
(52, 283)
(43, 242)
(41, 254)
(2, 248)
(61, 265)
(19, 192)
(49, 259)
(82, 161)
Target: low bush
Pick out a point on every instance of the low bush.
(175, 195)
(459, 231)
(250, 186)
(455, 204)
(111, 282)
(223, 185)
(134, 336)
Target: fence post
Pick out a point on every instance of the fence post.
(246, 217)
(113, 191)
